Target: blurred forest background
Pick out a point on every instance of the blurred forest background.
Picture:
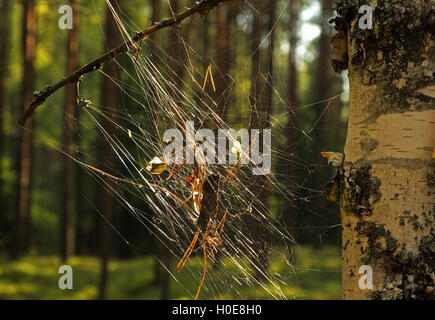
(51, 210)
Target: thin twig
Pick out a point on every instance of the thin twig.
(202, 7)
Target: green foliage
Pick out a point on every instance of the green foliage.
(315, 275)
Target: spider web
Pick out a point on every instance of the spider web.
(155, 98)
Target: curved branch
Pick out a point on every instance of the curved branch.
(202, 7)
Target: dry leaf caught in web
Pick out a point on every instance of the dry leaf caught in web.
(156, 166)
(334, 158)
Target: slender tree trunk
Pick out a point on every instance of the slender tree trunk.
(291, 214)
(66, 223)
(175, 48)
(82, 236)
(158, 247)
(330, 126)
(4, 58)
(256, 223)
(24, 156)
(174, 52)
(110, 100)
(205, 34)
(205, 26)
(324, 72)
(161, 276)
(323, 90)
(270, 55)
(387, 181)
(155, 17)
(255, 103)
(81, 233)
(222, 59)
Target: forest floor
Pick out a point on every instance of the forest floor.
(315, 275)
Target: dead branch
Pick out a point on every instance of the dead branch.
(202, 7)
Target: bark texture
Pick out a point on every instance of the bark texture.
(155, 4)
(291, 216)
(387, 178)
(66, 223)
(255, 224)
(24, 152)
(323, 84)
(223, 59)
(110, 100)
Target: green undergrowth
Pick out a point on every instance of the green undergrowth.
(314, 275)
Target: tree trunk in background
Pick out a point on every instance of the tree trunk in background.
(330, 129)
(66, 223)
(110, 101)
(205, 38)
(81, 232)
(256, 222)
(158, 246)
(255, 103)
(222, 59)
(24, 154)
(324, 72)
(175, 48)
(155, 17)
(323, 90)
(291, 212)
(387, 187)
(4, 59)
(177, 74)
(271, 7)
